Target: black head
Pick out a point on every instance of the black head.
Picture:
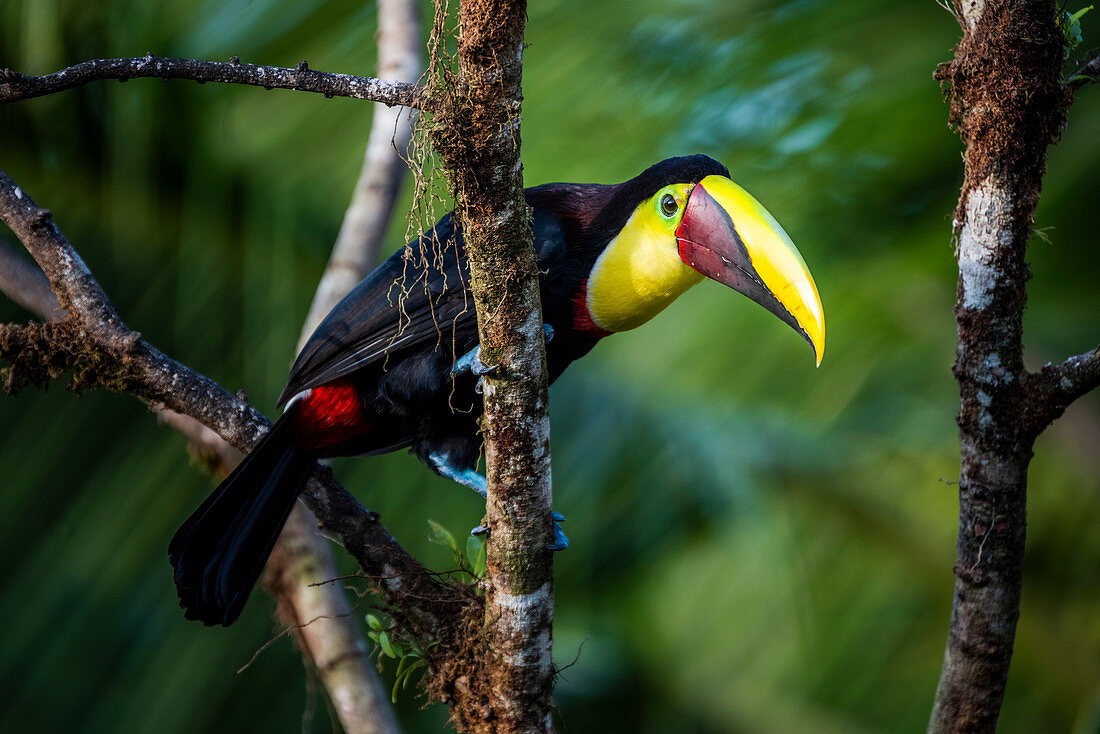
(629, 194)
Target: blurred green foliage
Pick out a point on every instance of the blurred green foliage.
(758, 546)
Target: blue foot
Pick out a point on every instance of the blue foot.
(559, 543)
(470, 478)
(471, 361)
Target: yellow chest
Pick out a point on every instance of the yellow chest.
(637, 276)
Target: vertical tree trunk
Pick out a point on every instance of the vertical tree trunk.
(479, 141)
(326, 628)
(1008, 103)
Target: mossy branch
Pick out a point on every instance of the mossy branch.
(103, 352)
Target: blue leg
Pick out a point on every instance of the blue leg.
(465, 477)
(478, 483)
(471, 362)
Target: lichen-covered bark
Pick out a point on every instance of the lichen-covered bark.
(15, 86)
(477, 134)
(1008, 104)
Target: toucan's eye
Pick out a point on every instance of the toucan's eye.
(669, 205)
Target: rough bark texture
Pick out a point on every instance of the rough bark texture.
(488, 659)
(320, 616)
(15, 86)
(100, 351)
(478, 137)
(1008, 104)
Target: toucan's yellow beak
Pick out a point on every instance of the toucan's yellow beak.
(728, 236)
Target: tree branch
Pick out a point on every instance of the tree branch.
(302, 559)
(479, 140)
(1055, 386)
(368, 215)
(101, 351)
(1087, 72)
(15, 86)
(1006, 47)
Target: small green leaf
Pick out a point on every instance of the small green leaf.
(384, 643)
(374, 622)
(482, 561)
(442, 536)
(473, 548)
(1071, 26)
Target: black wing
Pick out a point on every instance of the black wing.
(418, 298)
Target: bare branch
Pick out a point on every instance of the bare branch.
(1053, 388)
(15, 86)
(324, 627)
(302, 557)
(103, 352)
(69, 277)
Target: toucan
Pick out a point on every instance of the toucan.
(396, 363)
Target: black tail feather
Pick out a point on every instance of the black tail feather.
(219, 552)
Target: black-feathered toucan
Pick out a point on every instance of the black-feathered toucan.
(377, 376)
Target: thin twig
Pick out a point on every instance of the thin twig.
(15, 86)
(286, 631)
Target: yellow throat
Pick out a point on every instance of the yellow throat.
(640, 272)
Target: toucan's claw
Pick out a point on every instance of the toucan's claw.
(559, 543)
(471, 361)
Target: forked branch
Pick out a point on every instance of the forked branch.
(102, 351)
(1054, 387)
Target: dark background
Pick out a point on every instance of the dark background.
(758, 546)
